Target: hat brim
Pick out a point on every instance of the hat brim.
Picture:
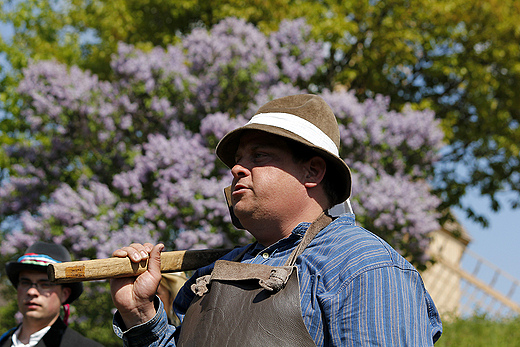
(13, 270)
(338, 169)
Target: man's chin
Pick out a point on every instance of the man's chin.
(33, 314)
(242, 208)
(242, 214)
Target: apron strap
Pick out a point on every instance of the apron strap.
(320, 223)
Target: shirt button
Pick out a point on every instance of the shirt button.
(265, 255)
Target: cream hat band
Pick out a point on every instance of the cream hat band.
(298, 126)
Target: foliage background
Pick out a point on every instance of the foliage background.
(458, 59)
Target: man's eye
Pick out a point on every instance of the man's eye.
(45, 285)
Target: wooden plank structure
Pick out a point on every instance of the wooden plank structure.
(459, 291)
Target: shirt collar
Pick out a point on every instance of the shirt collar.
(296, 236)
(33, 339)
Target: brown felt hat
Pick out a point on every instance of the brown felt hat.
(304, 118)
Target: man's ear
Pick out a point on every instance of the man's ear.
(65, 293)
(316, 168)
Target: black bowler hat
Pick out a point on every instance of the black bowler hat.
(36, 258)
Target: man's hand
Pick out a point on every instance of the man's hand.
(134, 296)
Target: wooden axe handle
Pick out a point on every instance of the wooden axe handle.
(99, 269)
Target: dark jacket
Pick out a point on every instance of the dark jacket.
(57, 336)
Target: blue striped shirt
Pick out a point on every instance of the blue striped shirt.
(355, 290)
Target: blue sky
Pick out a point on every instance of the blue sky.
(500, 242)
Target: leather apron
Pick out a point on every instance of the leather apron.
(249, 305)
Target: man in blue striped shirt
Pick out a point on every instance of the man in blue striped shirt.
(353, 288)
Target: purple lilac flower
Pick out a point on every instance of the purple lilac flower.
(298, 56)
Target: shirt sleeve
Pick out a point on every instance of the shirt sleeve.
(385, 306)
(154, 333)
(157, 332)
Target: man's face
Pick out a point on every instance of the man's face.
(42, 302)
(267, 183)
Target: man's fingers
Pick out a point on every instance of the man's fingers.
(154, 264)
(148, 247)
(136, 252)
(119, 253)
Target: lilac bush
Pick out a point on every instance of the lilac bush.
(105, 163)
(297, 56)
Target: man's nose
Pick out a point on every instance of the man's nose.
(240, 170)
(33, 290)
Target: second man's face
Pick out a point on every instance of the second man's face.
(38, 298)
